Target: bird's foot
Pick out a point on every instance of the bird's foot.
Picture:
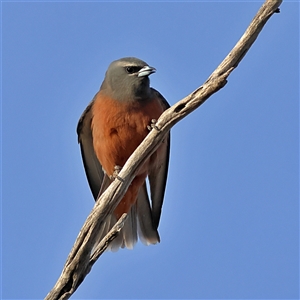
(116, 172)
(153, 125)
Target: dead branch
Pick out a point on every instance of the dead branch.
(81, 258)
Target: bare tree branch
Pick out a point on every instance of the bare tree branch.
(81, 258)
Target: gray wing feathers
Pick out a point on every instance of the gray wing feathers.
(149, 216)
(91, 164)
(158, 176)
(158, 180)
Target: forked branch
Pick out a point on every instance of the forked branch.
(81, 258)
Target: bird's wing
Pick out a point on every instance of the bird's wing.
(92, 166)
(158, 175)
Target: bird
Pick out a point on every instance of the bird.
(111, 127)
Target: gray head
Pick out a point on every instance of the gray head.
(127, 79)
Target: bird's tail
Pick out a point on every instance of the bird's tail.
(138, 224)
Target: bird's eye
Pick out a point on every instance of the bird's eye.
(132, 69)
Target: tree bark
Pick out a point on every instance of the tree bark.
(83, 256)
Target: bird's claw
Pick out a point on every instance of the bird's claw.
(153, 125)
(116, 172)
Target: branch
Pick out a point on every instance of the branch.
(80, 259)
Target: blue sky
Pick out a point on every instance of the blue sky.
(230, 221)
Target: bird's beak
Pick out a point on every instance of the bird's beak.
(146, 71)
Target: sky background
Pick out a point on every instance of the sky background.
(230, 220)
